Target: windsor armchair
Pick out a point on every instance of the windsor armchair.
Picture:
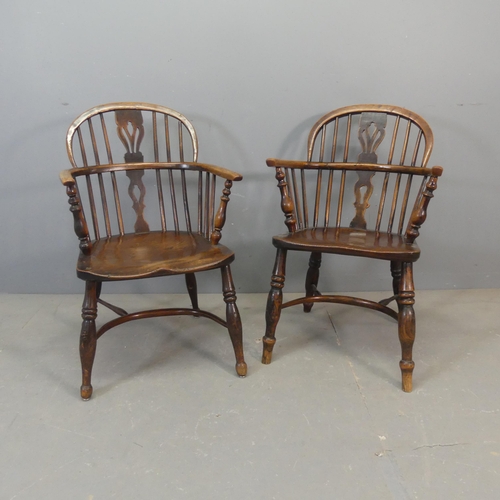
(144, 207)
(378, 170)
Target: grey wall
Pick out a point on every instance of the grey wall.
(252, 77)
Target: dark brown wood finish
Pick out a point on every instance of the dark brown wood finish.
(143, 206)
(366, 198)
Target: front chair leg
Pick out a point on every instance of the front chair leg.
(233, 320)
(312, 279)
(406, 324)
(88, 339)
(273, 309)
(192, 289)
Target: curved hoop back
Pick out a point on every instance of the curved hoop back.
(144, 132)
(401, 131)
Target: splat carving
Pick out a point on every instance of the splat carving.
(371, 133)
(127, 119)
(130, 129)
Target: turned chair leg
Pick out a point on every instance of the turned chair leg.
(233, 320)
(192, 289)
(406, 324)
(88, 339)
(273, 309)
(312, 279)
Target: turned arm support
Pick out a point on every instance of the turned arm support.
(287, 205)
(220, 216)
(75, 207)
(419, 213)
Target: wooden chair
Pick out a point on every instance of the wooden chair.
(154, 213)
(379, 154)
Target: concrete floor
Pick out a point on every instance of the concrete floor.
(169, 419)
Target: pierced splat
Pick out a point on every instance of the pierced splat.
(125, 120)
(141, 226)
(370, 139)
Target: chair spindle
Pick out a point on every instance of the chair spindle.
(181, 143)
(382, 202)
(167, 140)
(200, 202)
(94, 143)
(155, 137)
(295, 191)
(405, 143)
(393, 141)
(404, 204)
(304, 198)
(106, 139)
(185, 200)
(328, 198)
(394, 203)
(173, 200)
(118, 208)
(317, 197)
(341, 199)
(161, 201)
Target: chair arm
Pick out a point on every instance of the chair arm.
(219, 171)
(419, 213)
(357, 166)
(79, 222)
(67, 175)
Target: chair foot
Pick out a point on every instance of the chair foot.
(241, 369)
(267, 352)
(86, 392)
(406, 373)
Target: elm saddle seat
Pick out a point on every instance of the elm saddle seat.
(155, 214)
(146, 255)
(326, 201)
(350, 241)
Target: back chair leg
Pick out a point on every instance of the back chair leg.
(312, 279)
(88, 339)
(406, 324)
(396, 276)
(273, 309)
(98, 289)
(233, 320)
(192, 289)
